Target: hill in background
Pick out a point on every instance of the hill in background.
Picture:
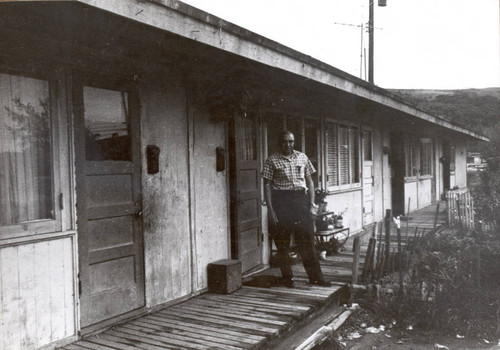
(474, 109)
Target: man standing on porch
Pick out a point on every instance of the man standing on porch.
(289, 193)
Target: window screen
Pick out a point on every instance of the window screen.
(26, 176)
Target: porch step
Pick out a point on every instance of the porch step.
(315, 330)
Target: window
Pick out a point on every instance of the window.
(411, 156)
(452, 158)
(425, 157)
(332, 155)
(107, 125)
(311, 146)
(28, 182)
(342, 156)
(367, 146)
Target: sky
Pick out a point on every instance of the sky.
(419, 44)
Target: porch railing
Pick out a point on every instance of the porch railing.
(460, 208)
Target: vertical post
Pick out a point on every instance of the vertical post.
(459, 213)
(371, 40)
(399, 262)
(355, 265)
(408, 220)
(436, 217)
(368, 260)
(387, 224)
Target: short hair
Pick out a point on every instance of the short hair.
(285, 133)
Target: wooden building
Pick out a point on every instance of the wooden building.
(132, 137)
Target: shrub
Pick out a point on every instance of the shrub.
(451, 285)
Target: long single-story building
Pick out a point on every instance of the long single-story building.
(132, 135)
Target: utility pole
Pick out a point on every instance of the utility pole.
(370, 42)
(371, 37)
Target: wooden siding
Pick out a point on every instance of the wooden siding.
(353, 201)
(378, 175)
(37, 293)
(166, 194)
(210, 206)
(411, 196)
(424, 192)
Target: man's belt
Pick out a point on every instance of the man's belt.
(300, 191)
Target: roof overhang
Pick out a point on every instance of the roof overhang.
(191, 23)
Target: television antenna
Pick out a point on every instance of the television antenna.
(362, 54)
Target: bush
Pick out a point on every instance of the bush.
(451, 285)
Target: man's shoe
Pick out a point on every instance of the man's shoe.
(288, 283)
(322, 283)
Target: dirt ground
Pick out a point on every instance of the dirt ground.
(362, 332)
(418, 341)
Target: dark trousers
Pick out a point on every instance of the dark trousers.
(292, 210)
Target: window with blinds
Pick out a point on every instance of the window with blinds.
(343, 154)
(353, 155)
(332, 155)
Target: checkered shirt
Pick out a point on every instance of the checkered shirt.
(288, 173)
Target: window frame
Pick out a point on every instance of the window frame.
(350, 185)
(411, 149)
(423, 155)
(33, 229)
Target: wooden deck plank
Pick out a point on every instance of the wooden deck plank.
(296, 295)
(261, 318)
(247, 307)
(174, 339)
(186, 334)
(90, 345)
(242, 310)
(247, 321)
(130, 341)
(74, 347)
(99, 340)
(269, 301)
(243, 342)
(246, 336)
(256, 329)
(153, 341)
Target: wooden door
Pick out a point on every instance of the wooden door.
(368, 182)
(397, 162)
(108, 200)
(245, 193)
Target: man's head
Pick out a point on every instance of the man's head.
(287, 141)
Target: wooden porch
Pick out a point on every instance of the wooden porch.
(250, 318)
(255, 317)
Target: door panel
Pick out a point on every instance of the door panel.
(245, 193)
(367, 152)
(109, 200)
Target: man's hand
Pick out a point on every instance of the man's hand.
(272, 217)
(313, 210)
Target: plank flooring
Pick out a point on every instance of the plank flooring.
(245, 319)
(250, 318)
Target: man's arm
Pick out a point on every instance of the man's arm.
(313, 208)
(310, 188)
(267, 193)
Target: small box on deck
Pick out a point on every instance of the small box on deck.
(224, 276)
